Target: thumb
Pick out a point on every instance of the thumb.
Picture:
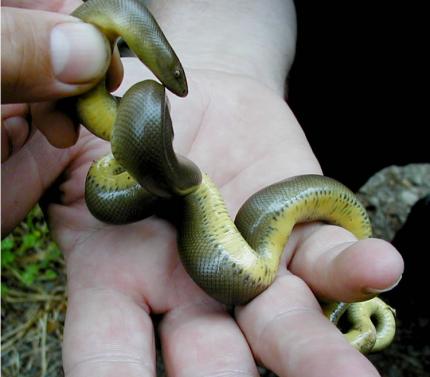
(49, 55)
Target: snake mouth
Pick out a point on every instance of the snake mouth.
(181, 81)
(180, 90)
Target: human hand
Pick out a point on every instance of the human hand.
(46, 55)
(244, 136)
(112, 292)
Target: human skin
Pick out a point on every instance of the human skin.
(236, 125)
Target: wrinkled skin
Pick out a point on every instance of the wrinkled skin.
(245, 137)
(119, 275)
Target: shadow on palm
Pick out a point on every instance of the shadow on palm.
(236, 130)
(244, 136)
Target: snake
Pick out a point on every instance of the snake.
(232, 261)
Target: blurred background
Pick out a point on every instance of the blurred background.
(358, 85)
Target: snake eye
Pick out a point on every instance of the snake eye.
(177, 73)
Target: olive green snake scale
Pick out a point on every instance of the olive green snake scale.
(232, 261)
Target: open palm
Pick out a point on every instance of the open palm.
(244, 136)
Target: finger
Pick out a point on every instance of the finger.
(15, 129)
(338, 267)
(57, 121)
(26, 175)
(115, 72)
(62, 6)
(203, 340)
(49, 55)
(107, 334)
(289, 335)
(18, 109)
(5, 146)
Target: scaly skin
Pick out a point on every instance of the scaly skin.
(131, 20)
(232, 263)
(235, 264)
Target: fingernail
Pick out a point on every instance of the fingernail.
(79, 52)
(377, 291)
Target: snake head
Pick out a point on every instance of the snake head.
(166, 66)
(174, 79)
(133, 22)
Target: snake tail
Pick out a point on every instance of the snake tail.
(369, 325)
(236, 264)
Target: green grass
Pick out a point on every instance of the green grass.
(33, 300)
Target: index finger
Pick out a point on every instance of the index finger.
(48, 55)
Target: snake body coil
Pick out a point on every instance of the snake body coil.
(241, 261)
(232, 262)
